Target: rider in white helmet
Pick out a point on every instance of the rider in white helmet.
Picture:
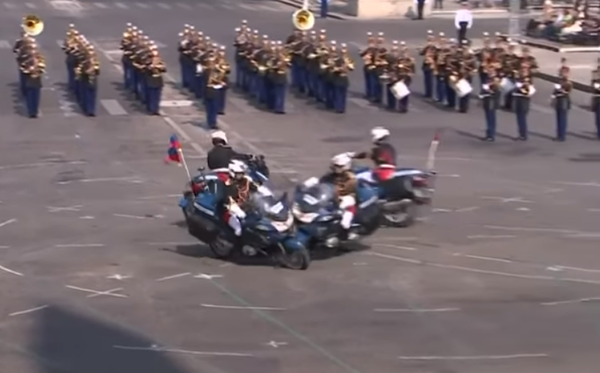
(383, 154)
(343, 178)
(238, 189)
(221, 155)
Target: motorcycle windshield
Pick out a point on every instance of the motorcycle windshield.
(316, 197)
(270, 206)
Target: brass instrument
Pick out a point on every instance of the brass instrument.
(156, 67)
(34, 67)
(303, 19)
(32, 25)
(216, 77)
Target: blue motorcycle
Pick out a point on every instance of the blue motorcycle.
(318, 215)
(268, 227)
(401, 195)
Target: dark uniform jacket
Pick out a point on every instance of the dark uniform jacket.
(382, 154)
(220, 156)
(345, 182)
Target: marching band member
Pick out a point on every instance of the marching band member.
(185, 63)
(241, 40)
(33, 68)
(278, 79)
(510, 64)
(327, 68)
(490, 101)
(198, 52)
(22, 49)
(127, 45)
(342, 66)
(596, 98)
(522, 96)
(368, 57)
(380, 62)
(309, 54)
(485, 59)
(69, 46)
(321, 62)
(390, 75)
(297, 58)
(215, 82)
(88, 71)
(452, 65)
(154, 70)
(428, 67)
(561, 101)
(440, 60)
(406, 69)
(223, 66)
(290, 44)
(468, 67)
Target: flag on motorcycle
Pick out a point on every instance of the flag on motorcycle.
(174, 154)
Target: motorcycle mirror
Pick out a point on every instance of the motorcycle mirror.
(201, 169)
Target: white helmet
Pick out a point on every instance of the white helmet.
(219, 135)
(379, 133)
(341, 162)
(237, 167)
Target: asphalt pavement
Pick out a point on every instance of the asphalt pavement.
(99, 275)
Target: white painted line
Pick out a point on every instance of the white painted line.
(176, 103)
(121, 5)
(163, 6)
(242, 307)
(105, 179)
(100, 5)
(416, 310)
(179, 275)
(488, 357)
(526, 229)
(118, 277)
(400, 259)
(173, 243)
(589, 183)
(75, 208)
(453, 176)
(184, 6)
(184, 135)
(178, 351)
(4, 44)
(485, 237)
(160, 197)
(247, 6)
(8, 270)
(130, 216)
(9, 5)
(113, 107)
(441, 210)
(467, 209)
(30, 5)
(483, 258)
(407, 248)
(560, 268)
(81, 245)
(275, 344)
(28, 311)
(39, 164)
(96, 293)
(207, 277)
(509, 199)
(87, 217)
(4, 247)
(583, 235)
(10, 221)
(582, 300)
(141, 5)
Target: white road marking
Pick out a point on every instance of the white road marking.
(176, 103)
(9, 5)
(561, 268)
(179, 275)
(4, 247)
(207, 276)
(8, 270)
(130, 216)
(483, 258)
(10, 221)
(118, 277)
(242, 307)
(99, 180)
(275, 344)
(163, 6)
(441, 210)
(485, 237)
(408, 248)
(453, 176)
(4, 44)
(39, 164)
(510, 199)
(523, 209)
(142, 5)
(113, 107)
(581, 300)
(172, 243)
(161, 197)
(467, 209)
(30, 5)
(583, 235)
(121, 5)
(96, 293)
(100, 5)
(179, 351)
(590, 183)
(87, 217)
(485, 357)
(416, 310)
(184, 6)
(28, 311)
(75, 208)
(527, 229)
(400, 259)
(80, 245)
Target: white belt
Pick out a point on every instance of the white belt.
(386, 166)
(221, 170)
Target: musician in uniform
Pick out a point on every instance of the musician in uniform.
(380, 61)
(241, 43)
(468, 67)
(327, 68)
(341, 67)
(510, 64)
(490, 102)
(89, 69)
(322, 61)
(22, 49)
(215, 82)
(33, 69)
(127, 46)
(185, 63)
(259, 59)
(596, 97)
(225, 68)
(522, 96)
(441, 77)
(561, 101)
(312, 65)
(298, 58)
(406, 70)
(428, 67)
(69, 47)
(390, 75)
(155, 68)
(278, 79)
(452, 67)
(368, 56)
(485, 59)
(199, 50)
(294, 39)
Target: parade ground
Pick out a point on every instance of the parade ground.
(98, 273)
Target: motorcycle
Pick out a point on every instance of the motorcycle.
(402, 194)
(318, 216)
(268, 227)
(257, 170)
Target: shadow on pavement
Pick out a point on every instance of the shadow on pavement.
(65, 341)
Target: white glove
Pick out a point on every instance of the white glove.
(351, 154)
(311, 182)
(237, 211)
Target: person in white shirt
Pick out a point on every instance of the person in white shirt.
(463, 20)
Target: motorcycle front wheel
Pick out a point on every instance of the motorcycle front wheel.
(401, 215)
(298, 259)
(221, 247)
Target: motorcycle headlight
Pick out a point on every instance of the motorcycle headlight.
(283, 226)
(304, 217)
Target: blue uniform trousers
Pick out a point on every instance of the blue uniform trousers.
(329, 95)
(378, 89)
(391, 101)
(88, 98)
(239, 75)
(212, 110)
(428, 78)
(70, 75)
(450, 95)
(197, 85)
(403, 104)
(490, 123)
(597, 120)
(562, 117)
(222, 101)
(32, 101)
(368, 84)
(522, 125)
(340, 94)
(440, 89)
(22, 87)
(278, 97)
(153, 95)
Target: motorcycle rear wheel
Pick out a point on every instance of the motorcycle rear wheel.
(403, 217)
(221, 247)
(296, 259)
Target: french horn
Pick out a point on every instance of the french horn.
(32, 25)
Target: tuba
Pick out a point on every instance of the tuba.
(32, 25)
(303, 19)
